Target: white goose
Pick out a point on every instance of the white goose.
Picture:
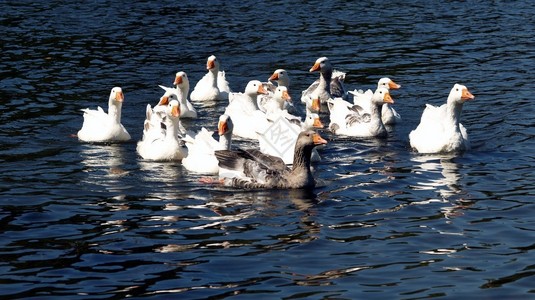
(155, 116)
(352, 120)
(201, 158)
(363, 99)
(181, 89)
(167, 146)
(243, 109)
(282, 79)
(439, 129)
(329, 85)
(213, 86)
(99, 126)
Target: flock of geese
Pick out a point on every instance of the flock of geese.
(261, 107)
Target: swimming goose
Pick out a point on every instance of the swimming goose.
(201, 157)
(283, 80)
(388, 114)
(329, 85)
(243, 109)
(99, 126)
(181, 88)
(439, 129)
(154, 119)
(312, 102)
(207, 89)
(259, 170)
(352, 120)
(167, 146)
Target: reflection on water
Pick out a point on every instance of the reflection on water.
(104, 165)
(442, 174)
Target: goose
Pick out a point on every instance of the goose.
(208, 88)
(243, 109)
(352, 120)
(154, 116)
(258, 170)
(181, 89)
(388, 114)
(329, 85)
(312, 103)
(439, 129)
(274, 108)
(281, 77)
(201, 157)
(99, 126)
(167, 146)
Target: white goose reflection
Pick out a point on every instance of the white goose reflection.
(220, 211)
(446, 184)
(161, 177)
(103, 165)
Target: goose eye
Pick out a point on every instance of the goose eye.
(456, 90)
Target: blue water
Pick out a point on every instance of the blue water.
(82, 221)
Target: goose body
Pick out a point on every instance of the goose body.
(99, 126)
(329, 85)
(439, 129)
(388, 114)
(166, 146)
(213, 86)
(244, 112)
(253, 169)
(353, 120)
(201, 148)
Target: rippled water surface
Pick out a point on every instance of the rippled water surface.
(82, 221)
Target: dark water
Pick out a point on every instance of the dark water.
(81, 221)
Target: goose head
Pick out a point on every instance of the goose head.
(460, 94)
(382, 95)
(212, 64)
(181, 80)
(312, 120)
(254, 88)
(281, 95)
(309, 139)
(388, 83)
(116, 96)
(167, 97)
(281, 76)
(322, 64)
(225, 125)
(173, 109)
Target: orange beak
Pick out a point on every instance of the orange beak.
(119, 96)
(466, 95)
(164, 100)
(318, 140)
(315, 67)
(286, 97)
(210, 64)
(275, 76)
(317, 123)
(222, 128)
(262, 90)
(393, 86)
(178, 80)
(175, 111)
(316, 104)
(388, 99)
